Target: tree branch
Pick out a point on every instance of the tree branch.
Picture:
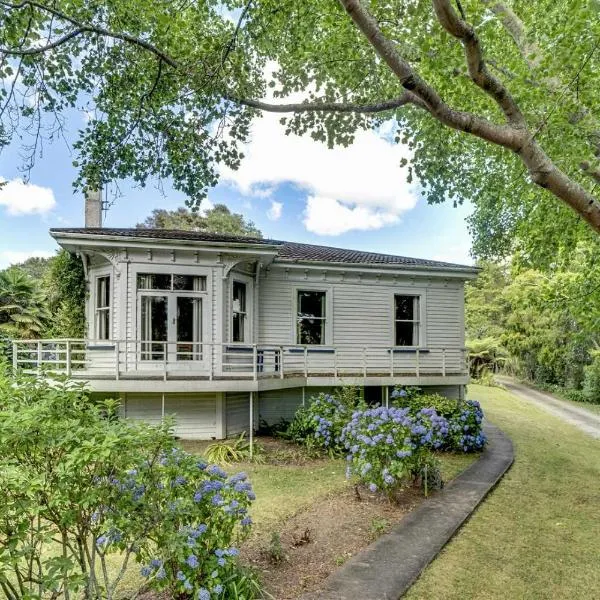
(478, 71)
(463, 121)
(81, 28)
(541, 169)
(337, 107)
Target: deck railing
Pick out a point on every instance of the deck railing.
(114, 359)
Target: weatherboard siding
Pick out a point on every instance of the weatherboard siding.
(361, 314)
(194, 414)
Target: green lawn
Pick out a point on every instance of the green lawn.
(537, 536)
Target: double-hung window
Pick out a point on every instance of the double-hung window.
(311, 317)
(239, 314)
(406, 320)
(103, 308)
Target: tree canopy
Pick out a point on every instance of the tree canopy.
(218, 219)
(497, 100)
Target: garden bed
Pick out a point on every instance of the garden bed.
(318, 516)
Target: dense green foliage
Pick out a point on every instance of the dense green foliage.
(318, 426)
(43, 298)
(170, 90)
(218, 219)
(85, 495)
(66, 289)
(23, 309)
(543, 322)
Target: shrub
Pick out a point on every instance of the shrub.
(464, 418)
(443, 406)
(81, 487)
(387, 446)
(591, 380)
(224, 452)
(465, 428)
(320, 424)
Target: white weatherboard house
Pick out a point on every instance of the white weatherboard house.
(221, 331)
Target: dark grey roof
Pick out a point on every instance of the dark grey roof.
(163, 234)
(287, 251)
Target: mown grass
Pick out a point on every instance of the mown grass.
(536, 535)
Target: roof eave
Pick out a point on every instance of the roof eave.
(95, 240)
(458, 271)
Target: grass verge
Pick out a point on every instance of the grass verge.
(536, 535)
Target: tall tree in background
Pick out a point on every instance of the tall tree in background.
(218, 219)
(496, 100)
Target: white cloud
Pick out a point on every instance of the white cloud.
(327, 216)
(455, 250)
(274, 213)
(362, 184)
(13, 257)
(20, 198)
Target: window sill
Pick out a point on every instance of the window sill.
(106, 346)
(315, 350)
(409, 350)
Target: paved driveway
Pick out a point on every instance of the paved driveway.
(584, 419)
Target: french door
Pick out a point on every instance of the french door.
(170, 326)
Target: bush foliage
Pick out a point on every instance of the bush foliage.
(320, 424)
(464, 418)
(87, 495)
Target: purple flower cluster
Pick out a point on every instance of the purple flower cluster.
(205, 509)
(329, 416)
(465, 429)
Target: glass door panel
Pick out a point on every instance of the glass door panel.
(188, 328)
(154, 327)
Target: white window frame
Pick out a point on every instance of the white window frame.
(249, 312)
(98, 310)
(328, 341)
(421, 320)
(173, 269)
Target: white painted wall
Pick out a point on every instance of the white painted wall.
(195, 414)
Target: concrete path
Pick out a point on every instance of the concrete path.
(389, 566)
(580, 417)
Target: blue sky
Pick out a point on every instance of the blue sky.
(292, 188)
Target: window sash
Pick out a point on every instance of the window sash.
(317, 324)
(415, 321)
(177, 282)
(238, 311)
(102, 308)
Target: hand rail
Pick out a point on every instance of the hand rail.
(117, 358)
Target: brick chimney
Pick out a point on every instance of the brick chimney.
(93, 207)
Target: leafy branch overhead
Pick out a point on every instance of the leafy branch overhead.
(496, 100)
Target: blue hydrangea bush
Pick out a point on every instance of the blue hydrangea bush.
(389, 446)
(192, 512)
(87, 497)
(464, 418)
(320, 424)
(465, 432)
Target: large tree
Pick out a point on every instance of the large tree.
(218, 219)
(497, 100)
